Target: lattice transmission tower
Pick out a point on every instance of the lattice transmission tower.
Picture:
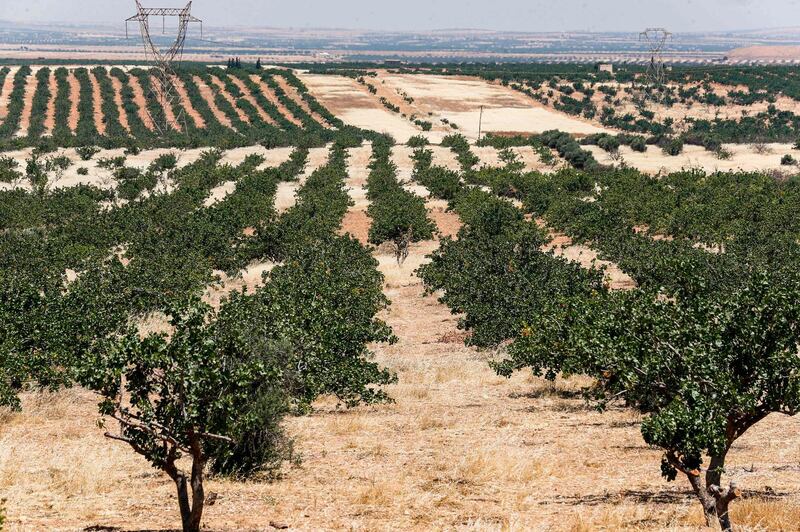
(656, 39)
(162, 84)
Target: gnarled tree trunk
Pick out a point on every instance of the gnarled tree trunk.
(713, 497)
(191, 512)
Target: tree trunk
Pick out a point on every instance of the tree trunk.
(191, 513)
(198, 495)
(706, 499)
(714, 499)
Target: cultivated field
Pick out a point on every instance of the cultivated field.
(496, 289)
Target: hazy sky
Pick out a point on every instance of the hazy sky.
(526, 15)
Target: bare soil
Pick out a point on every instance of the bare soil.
(194, 115)
(273, 99)
(293, 95)
(208, 95)
(219, 87)
(169, 114)
(357, 224)
(74, 100)
(50, 114)
(97, 105)
(344, 98)
(141, 102)
(742, 157)
(5, 92)
(249, 97)
(27, 107)
(123, 116)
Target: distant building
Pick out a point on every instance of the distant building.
(393, 62)
(606, 67)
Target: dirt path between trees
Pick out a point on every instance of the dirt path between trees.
(249, 97)
(27, 107)
(50, 113)
(169, 114)
(196, 117)
(292, 94)
(208, 95)
(123, 116)
(5, 92)
(74, 100)
(97, 104)
(219, 87)
(273, 99)
(141, 102)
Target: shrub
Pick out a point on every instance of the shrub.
(673, 147)
(638, 144)
(83, 171)
(8, 169)
(110, 163)
(87, 152)
(788, 160)
(417, 141)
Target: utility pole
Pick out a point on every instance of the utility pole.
(656, 39)
(162, 86)
(480, 124)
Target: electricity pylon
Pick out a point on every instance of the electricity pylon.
(162, 85)
(656, 38)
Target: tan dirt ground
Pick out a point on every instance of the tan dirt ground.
(169, 114)
(74, 100)
(50, 114)
(285, 197)
(27, 107)
(459, 98)
(208, 95)
(354, 107)
(293, 95)
(123, 116)
(562, 246)
(743, 157)
(141, 102)
(357, 223)
(410, 109)
(5, 92)
(445, 157)
(219, 87)
(401, 157)
(269, 94)
(97, 104)
(249, 97)
(188, 108)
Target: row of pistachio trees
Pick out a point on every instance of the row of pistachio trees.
(216, 384)
(75, 123)
(706, 346)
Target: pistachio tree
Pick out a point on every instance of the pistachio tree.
(704, 370)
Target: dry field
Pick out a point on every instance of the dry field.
(742, 157)
(454, 98)
(459, 449)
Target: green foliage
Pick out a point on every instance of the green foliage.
(417, 141)
(396, 213)
(8, 169)
(87, 152)
(569, 149)
(494, 273)
(673, 147)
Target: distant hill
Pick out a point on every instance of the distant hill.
(765, 53)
